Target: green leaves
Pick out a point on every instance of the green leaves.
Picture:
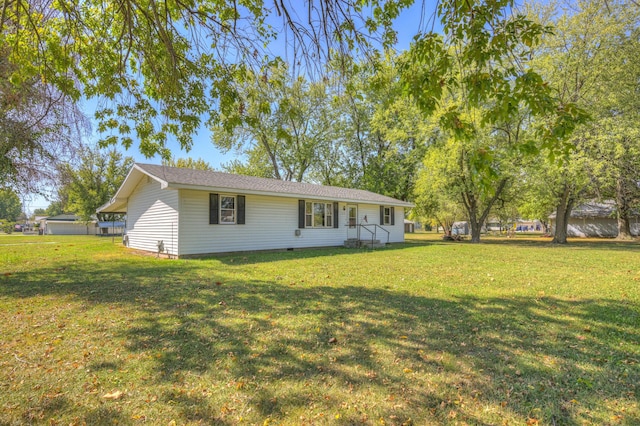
(93, 182)
(10, 206)
(481, 64)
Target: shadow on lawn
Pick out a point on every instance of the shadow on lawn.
(554, 359)
(574, 243)
(266, 256)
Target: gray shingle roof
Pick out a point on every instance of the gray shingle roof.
(201, 178)
(64, 218)
(605, 209)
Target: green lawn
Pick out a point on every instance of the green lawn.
(505, 332)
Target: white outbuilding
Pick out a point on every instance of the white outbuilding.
(68, 224)
(594, 219)
(190, 212)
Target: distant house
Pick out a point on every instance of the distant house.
(68, 224)
(191, 212)
(460, 228)
(409, 226)
(595, 220)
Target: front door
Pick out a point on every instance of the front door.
(352, 222)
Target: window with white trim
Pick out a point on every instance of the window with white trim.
(227, 209)
(387, 216)
(318, 215)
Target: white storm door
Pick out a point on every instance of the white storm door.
(352, 221)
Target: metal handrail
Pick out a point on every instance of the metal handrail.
(374, 232)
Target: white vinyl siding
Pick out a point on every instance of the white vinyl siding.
(270, 223)
(152, 216)
(70, 228)
(372, 215)
(397, 229)
(596, 227)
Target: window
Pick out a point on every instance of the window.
(387, 216)
(308, 215)
(226, 209)
(318, 215)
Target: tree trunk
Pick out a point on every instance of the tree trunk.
(624, 228)
(622, 204)
(446, 229)
(563, 213)
(545, 226)
(472, 210)
(475, 232)
(272, 157)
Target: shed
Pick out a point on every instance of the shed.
(409, 226)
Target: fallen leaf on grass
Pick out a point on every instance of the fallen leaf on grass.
(113, 395)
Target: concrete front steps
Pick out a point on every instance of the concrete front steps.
(355, 243)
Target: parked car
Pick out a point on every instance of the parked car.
(18, 228)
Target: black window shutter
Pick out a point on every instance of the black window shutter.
(213, 209)
(241, 209)
(381, 215)
(301, 214)
(393, 216)
(335, 215)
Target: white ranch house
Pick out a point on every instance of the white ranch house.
(194, 212)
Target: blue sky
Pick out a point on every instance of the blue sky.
(407, 25)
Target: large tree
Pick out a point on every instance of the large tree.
(97, 177)
(615, 144)
(473, 170)
(279, 120)
(10, 205)
(482, 62)
(39, 127)
(355, 128)
(380, 135)
(188, 163)
(591, 60)
(160, 68)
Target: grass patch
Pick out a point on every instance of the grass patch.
(427, 332)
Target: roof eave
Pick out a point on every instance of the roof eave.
(118, 203)
(395, 203)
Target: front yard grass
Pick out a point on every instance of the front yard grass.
(503, 332)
